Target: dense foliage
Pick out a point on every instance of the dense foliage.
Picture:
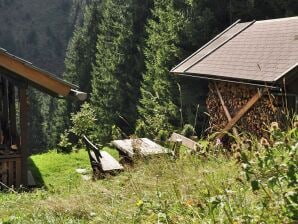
(121, 54)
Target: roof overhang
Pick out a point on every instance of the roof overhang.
(260, 53)
(39, 78)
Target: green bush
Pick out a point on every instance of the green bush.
(83, 123)
(274, 170)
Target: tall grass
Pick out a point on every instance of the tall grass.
(191, 189)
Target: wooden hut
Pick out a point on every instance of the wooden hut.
(252, 69)
(16, 75)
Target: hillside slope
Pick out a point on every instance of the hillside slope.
(38, 30)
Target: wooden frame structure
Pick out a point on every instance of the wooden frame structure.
(15, 77)
(234, 57)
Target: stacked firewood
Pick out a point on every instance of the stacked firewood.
(235, 96)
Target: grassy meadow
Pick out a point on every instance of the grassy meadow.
(253, 182)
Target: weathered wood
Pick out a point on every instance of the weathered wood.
(243, 110)
(100, 160)
(12, 115)
(34, 75)
(227, 113)
(142, 146)
(185, 141)
(109, 163)
(24, 133)
(176, 148)
(5, 120)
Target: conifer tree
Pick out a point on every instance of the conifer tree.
(118, 67)
(158, 106)
(78, 62)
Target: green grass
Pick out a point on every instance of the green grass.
(187, 190)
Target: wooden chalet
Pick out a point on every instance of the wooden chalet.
(16, 75)
(252, 70)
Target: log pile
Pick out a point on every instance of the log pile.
(235, 96)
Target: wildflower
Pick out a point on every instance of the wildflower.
(245, 166)
(218, 142)
(264, 142)
(139, 203)
(274, 126)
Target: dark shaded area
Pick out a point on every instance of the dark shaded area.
(36, 173)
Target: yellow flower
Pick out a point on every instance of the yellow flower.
(139, 203)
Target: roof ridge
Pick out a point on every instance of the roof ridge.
(277, 20)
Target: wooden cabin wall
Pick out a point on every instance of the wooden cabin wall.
(8, 128)
(13, 131)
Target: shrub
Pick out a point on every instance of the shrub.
(274, 170)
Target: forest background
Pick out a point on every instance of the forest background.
(120, 53)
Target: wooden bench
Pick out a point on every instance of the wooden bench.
(182, 140)
(129, 149)
(102, 162)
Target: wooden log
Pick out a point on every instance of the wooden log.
(244, 109)
(235, 132)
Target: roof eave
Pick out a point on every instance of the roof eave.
(259, 83)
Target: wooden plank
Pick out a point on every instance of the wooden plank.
(109, 163)
(227, 113)
(5, 119)
(4, 172)
(243, 110)
(145, 147)
(10, 172)
(24, 133)
(34, 75)
(185, 141)
(18, 172)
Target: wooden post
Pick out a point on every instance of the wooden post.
(235, 132)
(12, 115)
(24, 132)
(176, 148)
(1, 111)
(243, 110)
(5, 124)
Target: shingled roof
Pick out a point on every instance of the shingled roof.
(258, 51)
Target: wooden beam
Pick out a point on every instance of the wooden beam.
(24, 133)
(12, 114)
(5, 123)
(34, 75)
(243, 110)
(227, 113)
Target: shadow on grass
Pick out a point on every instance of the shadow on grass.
(36, 174)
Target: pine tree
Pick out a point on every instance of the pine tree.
(158, 106)
(118, 67)
(78, 62)
(112, 42)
